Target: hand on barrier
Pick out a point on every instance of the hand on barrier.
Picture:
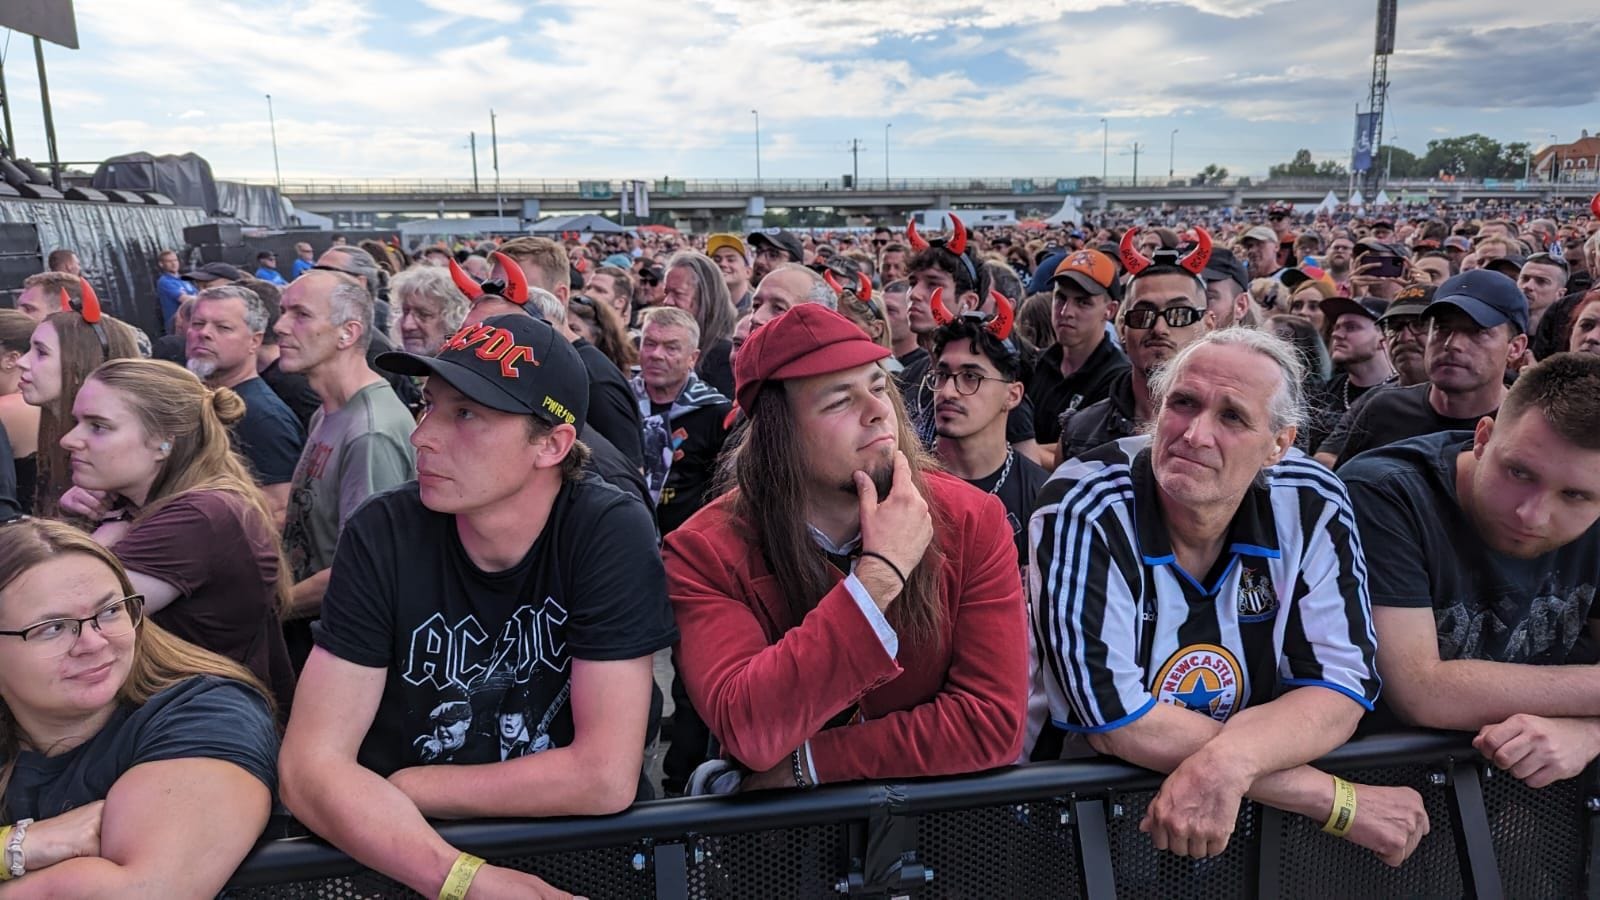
(496, 882)
(1540, 751)
(73, 834)
(898, 525)
(1389, 821)
(1195, 811)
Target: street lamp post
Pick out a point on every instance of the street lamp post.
(1172, 153)
(886, 128)
(273, 124)
(757, 114)
(1105, 150)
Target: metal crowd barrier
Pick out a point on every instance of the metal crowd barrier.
(1051, 830)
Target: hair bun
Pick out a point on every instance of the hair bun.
(227, 404)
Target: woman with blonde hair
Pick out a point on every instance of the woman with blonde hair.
(132, 764)
(181, 512)
(63, 350)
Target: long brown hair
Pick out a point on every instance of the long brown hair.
(80, 352)
(610, 335)
(160, 660)
(174, 405)
(770, 505)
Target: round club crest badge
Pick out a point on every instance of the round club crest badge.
(1201, 677)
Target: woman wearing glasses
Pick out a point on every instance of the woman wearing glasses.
(151, 456)
(65, 348)
(132, 764)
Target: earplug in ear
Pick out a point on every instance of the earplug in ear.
(166, 446)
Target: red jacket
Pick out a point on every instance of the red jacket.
(765, 685)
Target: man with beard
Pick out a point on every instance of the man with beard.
(825, 559)
(773, 248)
(1227, 289)
(1404, 333)
(1483, 556)
(1338, 260)
(225, 331)
(431, 307)
(976, 382)
(1260, 246)
(1358, 356)
(1477, 323)
(1166, 310)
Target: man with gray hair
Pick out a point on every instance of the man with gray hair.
(226, 325)
(358, 442)
(431, 308)
(1201, 607)
(786, 287)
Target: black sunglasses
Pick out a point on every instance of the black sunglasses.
(1145, 317)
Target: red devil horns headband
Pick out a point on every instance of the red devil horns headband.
(1194, 262)
(863, 286)
(956, 243)
(999, 324)
(91, 302)
(1594, 206)
(464, 282)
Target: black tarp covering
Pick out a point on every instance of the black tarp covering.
(186, 179)
(116, 246)
(252, 204)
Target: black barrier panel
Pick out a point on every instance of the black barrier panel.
(1059, 830)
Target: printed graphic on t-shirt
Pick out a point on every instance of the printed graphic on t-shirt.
(1507, 631)
(501, 690)
(298, 542)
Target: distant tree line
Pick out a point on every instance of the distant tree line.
(1470, 156)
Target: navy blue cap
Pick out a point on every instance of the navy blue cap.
(1488, 298)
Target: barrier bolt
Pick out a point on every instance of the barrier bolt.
(843, 886)
(1117, 811)
(1436, 778)
(638, 862)
(1593, 803)
(927, 876)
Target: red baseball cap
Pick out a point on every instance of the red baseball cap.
(808, 340)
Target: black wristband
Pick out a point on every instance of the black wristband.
(885, 560)
(800, 779)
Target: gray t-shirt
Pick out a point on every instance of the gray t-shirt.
(351, 454)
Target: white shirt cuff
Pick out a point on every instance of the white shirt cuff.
(869, 608)
(811, 770)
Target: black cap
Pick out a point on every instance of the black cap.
(1411, 301)
(777, 237)
(1223, 265)
(266, 254)
(214, 272)
(1510, 266)
(1370, 308)
(1488, 297)
(513, 363)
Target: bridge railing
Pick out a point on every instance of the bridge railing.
(604, 190)
(1065, 829)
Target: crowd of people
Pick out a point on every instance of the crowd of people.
(396, 535)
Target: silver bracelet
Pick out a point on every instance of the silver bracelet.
(14, 859)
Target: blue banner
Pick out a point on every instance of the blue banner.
(1366, 142)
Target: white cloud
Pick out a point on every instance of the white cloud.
(504, 11)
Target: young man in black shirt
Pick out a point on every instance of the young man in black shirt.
(1483, 557)
(476, 596)
(976, 383)
(1476, 324)
(1080, 368)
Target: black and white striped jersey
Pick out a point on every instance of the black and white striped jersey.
(1119, 625)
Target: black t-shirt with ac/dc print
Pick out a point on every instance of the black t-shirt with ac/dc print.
(480, 662)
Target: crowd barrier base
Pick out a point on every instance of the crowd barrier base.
(1051, 830)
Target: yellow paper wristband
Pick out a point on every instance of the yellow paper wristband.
(1344, 808)
(5, 838)
(460, 877)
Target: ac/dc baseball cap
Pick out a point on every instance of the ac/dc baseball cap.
(513, 363)
(1088, 269)
(808, 340)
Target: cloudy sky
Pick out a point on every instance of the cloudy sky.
(651, 88)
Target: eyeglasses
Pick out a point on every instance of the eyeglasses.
(1144, 317)
(57, 637)
(1393, 328)
(967, 383)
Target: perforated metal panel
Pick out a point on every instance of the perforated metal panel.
(1019, 851)
(1317, 866)
(1538, 836)
(1145, 872)
(800, 863)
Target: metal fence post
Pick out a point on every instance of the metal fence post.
(1094, 849)
(672, 872)
(1469, 818)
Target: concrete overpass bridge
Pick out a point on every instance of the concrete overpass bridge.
(702, 201)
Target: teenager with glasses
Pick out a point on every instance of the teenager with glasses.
(132, 764)
(65, 348)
